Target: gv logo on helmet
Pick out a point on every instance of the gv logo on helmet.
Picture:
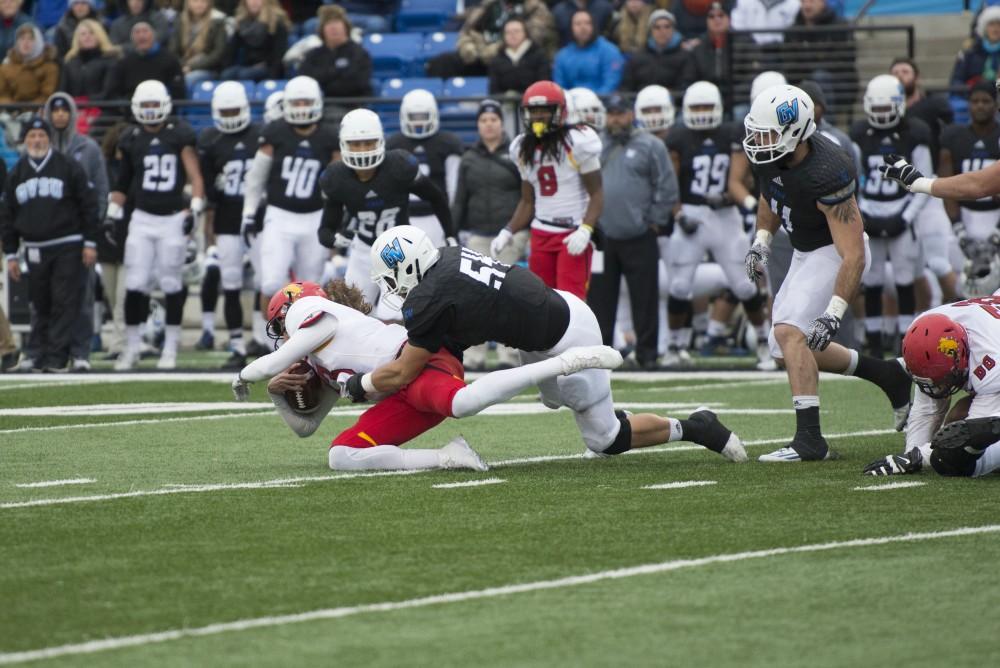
(788, 112)
(392, 254)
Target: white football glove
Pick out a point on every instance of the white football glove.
(341, 241)
(578, 240)
(241, 389)
(500, 242)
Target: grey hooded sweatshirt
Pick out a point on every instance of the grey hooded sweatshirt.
(81, 148)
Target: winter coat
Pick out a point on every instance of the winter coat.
(211, 58)
(120, 31)
(481, 37)
(8, 31)
(342, 72)
(534, 65)
(975, 64)
(252, 44)
(671, 67)
(31, 81)
(64, 30)
(632, 32)
(600, 11)
(488, 190)
(88, 74)
(81, 148)
(710, 62)
(133, 68)
(597, 66)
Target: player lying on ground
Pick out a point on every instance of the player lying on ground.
(338, 339)
(940, 349)
(455, 298)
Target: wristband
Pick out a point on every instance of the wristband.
(587, 227)
(197, 205)
(922, 185)
(763, 237)
(837, 307)
(367, 384)
(750, 202)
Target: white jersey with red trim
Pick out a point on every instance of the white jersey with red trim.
(981, 319)
(360, 343)
(560, 196)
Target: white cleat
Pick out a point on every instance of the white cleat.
(167, 361)
(676, 357)
(126, 361)
(459, 455)
(764, 360)
(734, 450)
(590, 357)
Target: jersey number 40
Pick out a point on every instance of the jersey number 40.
(300, 176)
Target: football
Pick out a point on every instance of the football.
(306, 399)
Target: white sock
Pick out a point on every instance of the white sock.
(852, 366)
(904, 322)
(873, 324)
(382, 458)
(236, 341)
(208, 321)
(133, 340)
(676, 431)
(499, 386)
(171, 339)
(805, 401)
(717, 329)
(762, 330)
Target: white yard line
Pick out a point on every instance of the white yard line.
(181, 488)
(126, 423)
(682, 484)
(470, 483)
(717, 386)
(135, 408)
(120, 642)
(56, 483)
(889, 485)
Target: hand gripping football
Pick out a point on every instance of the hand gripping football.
(305, 399)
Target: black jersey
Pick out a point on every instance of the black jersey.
(970, 153)
(379, 203)
(225, 160)
(826, 176)
(151, 169)
(876, 143)
(704, 159)
(298, 162)
(431, 153)
(466, 299)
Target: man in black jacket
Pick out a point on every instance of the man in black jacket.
(664, 61)
(146, 59)
(342, 67)
(50, 206)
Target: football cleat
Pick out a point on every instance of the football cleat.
(167, 361)
(718, 438)
(80, 365)
(126, 361)
(206, 342)
(676, 357)
(803, 448)
(590, 357)
(457, 454)
(764, 360)
(257, 349)
(910, 461)
(973, 435)
(235, 362)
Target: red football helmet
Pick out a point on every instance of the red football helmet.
(936, 353)
(284, 298)
(546, 94)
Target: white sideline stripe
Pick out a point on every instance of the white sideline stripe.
(890, 485)
(107, 644)
(714, 386)
(180, 488)
(56, 483)
(126, 423)
(684, 483)
(134, 408)
(470, 483)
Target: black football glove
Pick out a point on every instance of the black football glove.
(248, 228)
(898, 169)
(821, 331)
(909, 462)
(109, 229)
(188, 223)
(353, 389)
(688, 224)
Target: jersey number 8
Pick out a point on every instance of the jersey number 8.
(548, 185)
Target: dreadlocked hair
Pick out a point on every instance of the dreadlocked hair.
(551, 144)
(339, 291)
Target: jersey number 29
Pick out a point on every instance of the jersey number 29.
(159, 172)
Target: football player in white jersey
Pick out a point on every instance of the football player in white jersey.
(947, 349)
(561, 191)
(338, 338)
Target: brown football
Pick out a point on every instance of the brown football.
(306, 399)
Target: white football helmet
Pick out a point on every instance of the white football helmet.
(702, 94)
(885, 101)
(765, 80)
(583, 106)
(654, 108)
(981, 273)
(400, 257)
(361, 125)
(303, 103)
(230, 95)
(274, 107)
(418, 114)
(151, 103)
(779, 120)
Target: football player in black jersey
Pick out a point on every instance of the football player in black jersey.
(706, 219)
(438, 153)
(889, 211)
(807, 185)
(455, 298)
(292, 154)
(157, 158)
(226, 152)
(373, 186)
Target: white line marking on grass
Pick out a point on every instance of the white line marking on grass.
(683, 483)
(129, 423)
(107, 644)
(890, 485)
(179, 488)
(135, 408)
(470, 483)
(57, 483)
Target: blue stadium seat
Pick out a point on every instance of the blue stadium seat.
(202, 92)
(397, 88)
(439, 42)
(393, 54)
(466, 86)
(424, 15)
(265, 88)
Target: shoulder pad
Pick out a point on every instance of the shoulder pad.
(833, 177)
(306, 312)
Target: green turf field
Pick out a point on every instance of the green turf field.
(216, 537)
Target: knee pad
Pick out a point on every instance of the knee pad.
(959, 462)
(171, 282)
(681, 282)
(755, 303)
(677, 306)
(939, 264)
(613, 440)
(623, 440)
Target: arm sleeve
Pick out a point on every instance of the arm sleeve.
(256, 182)
(305, 424)
(922, 161)
(333, 209)
(664, 185)
(587, 150)
(926, 417)
(302, 342)
(423, 188)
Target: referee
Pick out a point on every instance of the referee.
(49, 205)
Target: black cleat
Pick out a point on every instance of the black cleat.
(973, 435)
(235, 362)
